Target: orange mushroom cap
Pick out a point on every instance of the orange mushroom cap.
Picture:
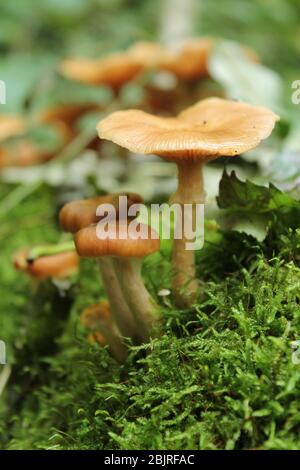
(119, 243)
(116, 69)
(97, 337)
(191, 60)
(211, 128)
(149, 54)
(59, 265)
(25, 152)
(76, 215)
(113, 71)
(90, 316)
(11, 126)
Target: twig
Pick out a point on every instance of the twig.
(4, 376)
(16, 196)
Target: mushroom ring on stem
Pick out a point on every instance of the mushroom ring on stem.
(210, 129)
(76, 215)
(127, 249)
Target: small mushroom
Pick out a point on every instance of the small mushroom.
(11, 126)
(24, 151)
(76, 215)
(190, 62)
(116, 69)
(113, 71)
(59, 265)
(127, 250)
(80, 213)
(97, 318)
(210, 129)
(97, 337)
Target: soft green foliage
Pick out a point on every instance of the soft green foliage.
(220, 377)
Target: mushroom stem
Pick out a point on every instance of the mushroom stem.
(112, 337)
(190, 191)
(139, 300)
(119, 308)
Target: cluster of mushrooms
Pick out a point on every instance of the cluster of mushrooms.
(211, 128)
(169, 80)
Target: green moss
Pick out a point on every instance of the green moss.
(220, 377)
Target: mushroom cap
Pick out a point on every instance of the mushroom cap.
(97, 337)
(22, 153)
(149, 54)
(211, 128)
(114, 70)
(76, 215)
(10, 126)
(121, 243)
(59, 265)
(191, 60)
(91, 316)
(25, 152)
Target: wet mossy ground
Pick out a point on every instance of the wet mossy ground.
(220, 377)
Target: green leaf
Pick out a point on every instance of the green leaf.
(249, 198)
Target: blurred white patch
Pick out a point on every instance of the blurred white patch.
(2, 352)
(2, 92)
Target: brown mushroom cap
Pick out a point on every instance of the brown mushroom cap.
(76, 215)
(97, 337)
(113, 71)
(211, 128)
(90, 316)
(123, 243)
(25, 152)
(149, 54)
(191, 60)
(10, 126)
(59, 265)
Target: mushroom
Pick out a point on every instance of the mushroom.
(127, 249)
(24, 151)
(80, 213)
(11, 126)
(190, 62)
(112, 71)
(210, 129)
(76, 215)
(59, 265)
(116, 69)
(97, 337)
(97, 318)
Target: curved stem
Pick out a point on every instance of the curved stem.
(113, 339)
(190, 191)
(120, 310)
(140, 302)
